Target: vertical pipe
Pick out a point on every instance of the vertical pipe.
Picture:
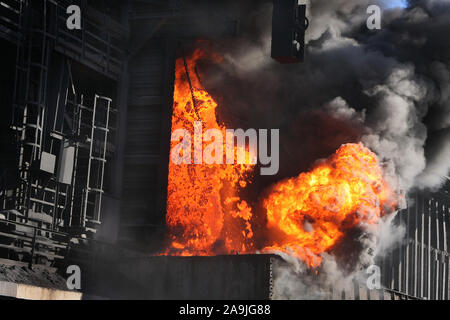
(416, 247)
(428, 226)
(406, 253)
(56, 207)
(33, 245)
(91, 145)
(446, 216)
(422, 248)
(447, 277)
(108, 110)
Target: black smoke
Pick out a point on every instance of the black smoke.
(389, 88)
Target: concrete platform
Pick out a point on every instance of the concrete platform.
(27, 292)
(17, 281)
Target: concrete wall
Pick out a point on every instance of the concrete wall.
(221, 277)
(28, 292)
(18, 281)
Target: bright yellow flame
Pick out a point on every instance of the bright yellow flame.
(312, 211)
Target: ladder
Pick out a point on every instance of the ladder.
(98, 141)
(33, 51)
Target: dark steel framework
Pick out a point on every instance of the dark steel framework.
(64, 133)
(419, 267)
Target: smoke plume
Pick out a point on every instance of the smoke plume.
(388, 88)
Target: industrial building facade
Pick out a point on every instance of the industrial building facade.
(85, 138)
(73, 97)
(419, 267)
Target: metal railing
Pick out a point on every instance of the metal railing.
(96, 45)
(32, 240)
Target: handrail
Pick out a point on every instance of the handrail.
(108, 44)
(54, 244)
(37, 228)
(404, 295)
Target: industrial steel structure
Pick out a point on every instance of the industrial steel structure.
(419, 267)
(63, 132)
(85, 139)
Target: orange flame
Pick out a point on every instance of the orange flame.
(306, 215)
(204, 212)
(312, 211)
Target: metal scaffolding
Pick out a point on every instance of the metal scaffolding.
(63, 146)
(89, 143)
(420, 266)
(29, 109)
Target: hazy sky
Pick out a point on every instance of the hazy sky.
(395, 3)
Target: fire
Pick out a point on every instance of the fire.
(204, 212)
(306, 215)
(312, 212)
